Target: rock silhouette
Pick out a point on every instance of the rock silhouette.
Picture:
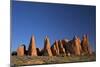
(38, 51)
(14, 53)
(32, 48)
(62, 47)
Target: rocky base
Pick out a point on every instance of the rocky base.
(37, 60)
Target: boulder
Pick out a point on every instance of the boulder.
(21, 50)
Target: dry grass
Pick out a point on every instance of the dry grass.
(28, 60)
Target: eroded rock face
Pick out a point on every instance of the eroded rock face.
(47, 49)
(77, 45)
(32, 48)
(61, 48)
(64, 42)
(21, 50)
(72, 47)
(55, 48)
(85, 45)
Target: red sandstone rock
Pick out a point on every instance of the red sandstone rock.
(32, 48)
(47, 48)
(20, 50)
(65, 47)
(55, 48)
(85, 45)
(61, 48)
(77, 46)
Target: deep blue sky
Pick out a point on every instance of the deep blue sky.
(58, 21)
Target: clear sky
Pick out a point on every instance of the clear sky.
(57, 21)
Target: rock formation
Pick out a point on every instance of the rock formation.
(72, 47)
(85, 45)
(21, 50)
(47, 49)
(55, 48)
(61, 48)
(68, 46)
(77, 45)
(64, 42)
(38, 51)
(32, 48)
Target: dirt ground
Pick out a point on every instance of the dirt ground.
(38, 60)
